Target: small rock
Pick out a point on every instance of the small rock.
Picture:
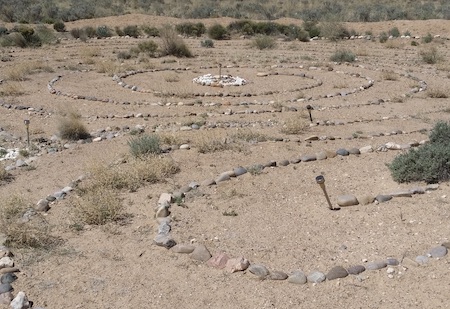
(390, 270)
(218, 261)
(366, 199)
(438, 252)
(376, 265)
(392, 262)
(401, 193)
(336, 273)
(308, 158)
(182, 248)
(237, 264)
(408, 263)
(316, 277)
(185, 147)
(277, 275)
(347, 200)
(6, 298)
(42, 205)
(366, 149)
(20, 301)
(283, 163)
(9, 270)
(381, 198)
(417, 190)
(354, 151)
(432, 187)
(258, 270)
(165, 199)
(6, 261)
(356, 269)
(223, 177)
(297, 277)
(331, 154)
(8, 278)
(422, 259)
(342, 152)
(321, 155)
(312, 138)
(446, 245)
(238, 171)
(5, 288)
(164, 241)
(201, 253)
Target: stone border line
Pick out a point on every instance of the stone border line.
(221, 260)
(199, 252)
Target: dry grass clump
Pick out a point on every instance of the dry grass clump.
(210, 142)
(20, 72)
(71, 127)
(250, 136)
(107, 66)
(438, 93)
(98, 207)
(389, 75)
(172, 44)
(21, 233)
(11, 90)
(295, 125)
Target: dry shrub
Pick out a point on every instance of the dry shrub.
(249, 136)
(71, 127)
(21, 233)
(107, 66)
(438, 93)
(90, 52)
(8, 89)
(210, 142)
(172, 44)
(20, 72)
(394, 44)
(389, 75)
(98, 207)
(296, 124)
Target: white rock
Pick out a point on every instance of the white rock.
(6, 262)
(20, 301)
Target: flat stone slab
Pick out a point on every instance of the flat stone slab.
(237, 264)
(183, 248)
(381, 198)
(316, 277)
(297, 277)
(392, 262)
(422, 259)
(342, 152)
(219, 260)
(277, 275)
(401, 193)
(356, 269)
(438, 252)
(347, 200)
(366, 199)
(308, 158)
(376, 265)
(321, 155)
(336, 273)
(201, 253)
(258, 270)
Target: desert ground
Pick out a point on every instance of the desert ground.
(283, 221)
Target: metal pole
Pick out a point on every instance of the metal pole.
(321, 181)
(27, 125)
(309, 108)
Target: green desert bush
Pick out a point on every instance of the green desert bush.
(249, 136)
(383, 37)
(144, 145)
(132, 31)
(59, 26)
(172, 44)
(394, 32)
(334, 31)
(150, 31)
(427, 39)
(343, 55)
(103, 32)
(191, 29)
(148, 47)
(71, 127)
(217, 32)
(429, 162)
(312, 28)
(264, 42)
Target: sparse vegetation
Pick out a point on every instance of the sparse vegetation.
(172, 44)
(191, 29)
(431, 55)
(144, 145)
(264, 42)
(383, 37)
(217, 32)
(429, 162)
(132, 31)
(20, 233)
(295, 125)
(437, 93)
(343, 55)
(59, 26)
(71, 127)
(427, 39)
(208, 43)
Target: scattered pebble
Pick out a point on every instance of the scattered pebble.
(376, 265)
(438, 252)
(316, 277)
(201, 253)
(258, 270)
(356, 269)
(422, 259)
(336, 273)
(297, 277)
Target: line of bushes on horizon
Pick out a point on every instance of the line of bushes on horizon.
(50, 11)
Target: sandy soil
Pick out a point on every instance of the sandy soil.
(283, 221)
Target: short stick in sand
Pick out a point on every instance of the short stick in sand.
(321, 181)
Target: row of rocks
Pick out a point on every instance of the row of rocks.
(7, 276)
(221, 260)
